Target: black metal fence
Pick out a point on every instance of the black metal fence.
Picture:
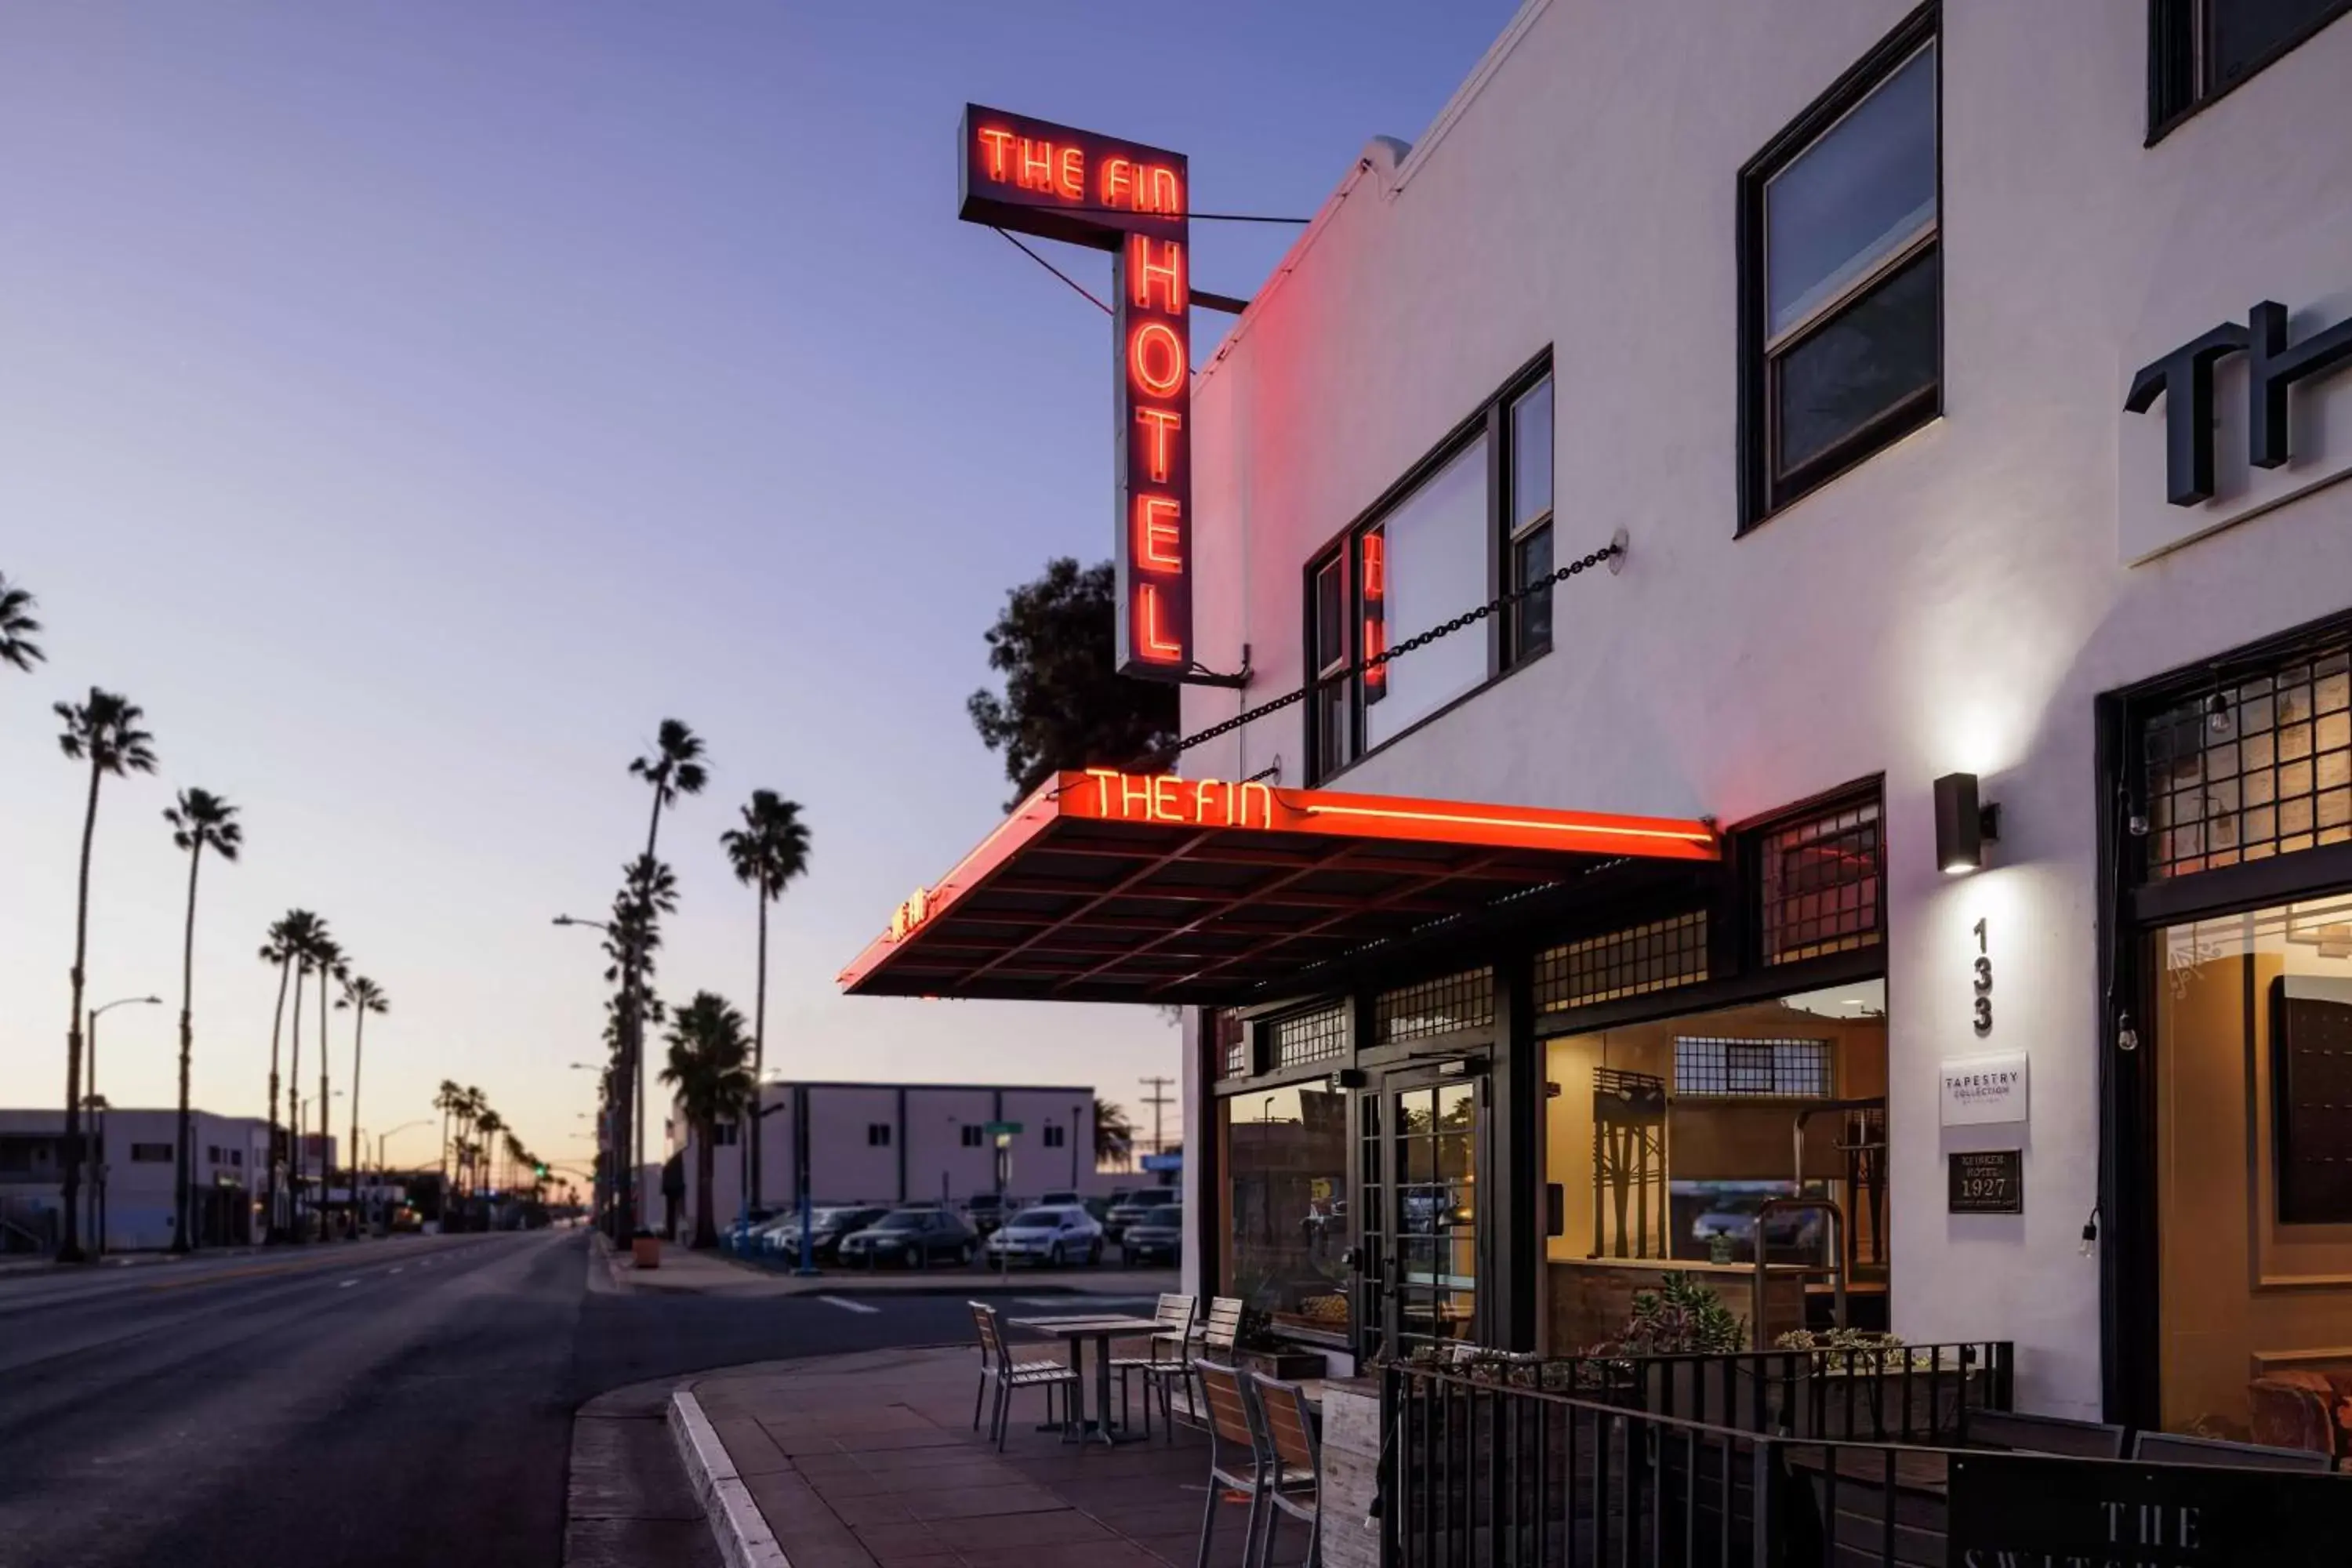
(1770, 1459)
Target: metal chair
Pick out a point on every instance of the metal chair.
(2042, 1435)
(1218, 1332)
(2165, 1448)
(1293, 1483)
(997, 1367)
(1165, 1362)
(1230, 1424)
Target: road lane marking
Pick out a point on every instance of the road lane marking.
(846, 1305)
(397, 1270)
(346, 1284)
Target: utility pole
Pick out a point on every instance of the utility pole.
(1157, 1097)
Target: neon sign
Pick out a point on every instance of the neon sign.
(1040, 178)
(1187, 803)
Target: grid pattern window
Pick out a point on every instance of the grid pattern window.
(1475, 513)
(1458, 1002)
(1842, 276)
(972, 1137)
(1821, 884)
(151, 1154)
(1657, 956)
(877, 1135)
(1762, 1069)
(2260, 767)
(1318, 1036)
(1232, 1046)
(2199, 49)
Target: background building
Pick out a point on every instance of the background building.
(128, 1184)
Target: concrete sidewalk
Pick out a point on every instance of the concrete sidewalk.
(713, 1273)
(870, 1461)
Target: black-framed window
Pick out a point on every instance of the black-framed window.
(2199, 49)
(1471, 519)
(151, 1154)
(1841, 274)
(877, 1135)
(1056, 1136)
(972, 1136)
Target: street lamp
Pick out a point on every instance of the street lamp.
(98, 1103)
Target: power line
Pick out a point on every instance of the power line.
(1056, 271)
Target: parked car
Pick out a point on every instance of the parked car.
(827, 1227)
(911, 1238)
(744, 1225)
(1061, 1197)
(986, 1211)
(1734, 1215)
(1159, 1234)
(1123, 1214)
(1054, 1235)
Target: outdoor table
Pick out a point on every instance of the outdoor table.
(1075, 1332)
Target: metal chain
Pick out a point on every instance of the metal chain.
(1468, 618)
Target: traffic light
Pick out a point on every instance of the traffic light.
(540, 1169)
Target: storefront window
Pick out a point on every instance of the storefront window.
(2253, 1070)
(1285, 1157)
(1667, 1140)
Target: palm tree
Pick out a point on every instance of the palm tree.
(478, 1106)
(675, 767)
(103, 731)
(1114, 1134)
(771, 849)
(283, 944)
(201, 820)
(18, 626)
(362, 996)
(709, 1066)
(445, 1099)
(327, 958)
(489, 1124)
(518, 1161)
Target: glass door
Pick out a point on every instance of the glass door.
(1433, 1144)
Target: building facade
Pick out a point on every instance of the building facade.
(127, 1190)
(1862, 326)
(888, 1143)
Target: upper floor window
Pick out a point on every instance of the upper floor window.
(972, 1135)
(151, 1154)
(1474, 516)
(877, 1135)
(1056, 1136)
(2199, 49)
(1839, 275)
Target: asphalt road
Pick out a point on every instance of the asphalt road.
(398, 1402)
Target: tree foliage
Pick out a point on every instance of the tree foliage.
(1064, 705)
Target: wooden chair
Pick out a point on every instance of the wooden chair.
(998, 1368)
(2042, 1435)
(1233, 1429)
(1293, 1483)
(1219, 1332)
(1165, 1362)
(2165, 1448)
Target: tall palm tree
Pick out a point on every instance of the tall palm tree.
(306, 937)
(104, 732)
(361, 996)
(18, 626)
(488, 1125)
(201, 820)
(279, 949)
(673, 768)
(769, 850)
(327, 958)
(518, 1161)
(445, 1099)
(1114, 1134)
(478, 1106)
(710, 1068)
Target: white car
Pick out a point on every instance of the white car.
(1054, 1236)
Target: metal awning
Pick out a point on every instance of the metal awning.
(1104, 886)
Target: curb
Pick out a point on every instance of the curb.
(743, 1537)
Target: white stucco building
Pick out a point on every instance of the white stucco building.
(128, 1185)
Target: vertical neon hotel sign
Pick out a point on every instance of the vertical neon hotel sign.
(1049, 180)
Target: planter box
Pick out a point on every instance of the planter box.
(1286, 1366)
(645, 1251)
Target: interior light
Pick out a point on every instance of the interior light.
(1963, 827)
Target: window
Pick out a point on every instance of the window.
(237, 1158)
(1304, 1038)
(1840, 280)
(973, 1136)
(2252, 767)
(1232, 1045)
(877, 1135)
(1284, 1160)
(1434, 1007)
(1634, 962)
(1474, 514)
(1056, 1135)
(2199, 49)
(1821, 883)
(1780, 1070)
(212, 1153)
(151, 1154)
(725, 1135)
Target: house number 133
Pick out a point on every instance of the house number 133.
(1983, 983)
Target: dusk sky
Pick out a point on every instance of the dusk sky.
(411, 403)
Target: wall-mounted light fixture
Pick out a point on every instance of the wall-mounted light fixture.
(1963, 827)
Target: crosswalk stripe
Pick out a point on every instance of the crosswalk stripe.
(848, 1306)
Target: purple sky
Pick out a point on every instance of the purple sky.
(411, 403)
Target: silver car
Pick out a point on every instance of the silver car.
(1054, 1237)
